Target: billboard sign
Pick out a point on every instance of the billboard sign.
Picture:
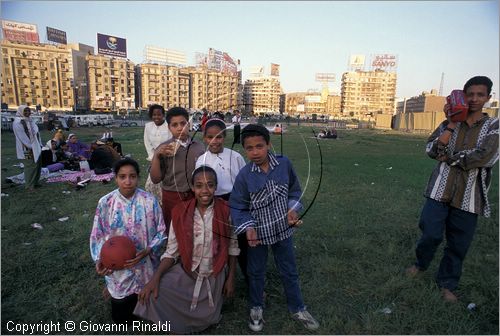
(325, 77)
(20, 32)
(56, 35)
(228, 64)
(111, 45)
(221, 61)
(164, 56)
(357, 62)
(275, 69)
(384, 62)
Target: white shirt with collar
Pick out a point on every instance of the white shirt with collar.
(227, 165)
(154, 136)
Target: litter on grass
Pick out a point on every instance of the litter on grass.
(37, 226)
(471, 306)
(4, 195)
(63, 219)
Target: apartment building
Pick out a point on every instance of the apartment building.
(366, 93)
(261, 95)
(37, 74)
(110, 83)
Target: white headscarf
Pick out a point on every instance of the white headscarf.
(33, 135)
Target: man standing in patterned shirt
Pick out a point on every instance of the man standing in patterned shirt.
(457, 191)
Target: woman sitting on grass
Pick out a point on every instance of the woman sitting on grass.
(189, 294)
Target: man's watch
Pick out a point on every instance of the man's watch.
(451, 130)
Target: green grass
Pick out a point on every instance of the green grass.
(356, 240)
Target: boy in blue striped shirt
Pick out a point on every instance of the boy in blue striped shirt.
(265, 202)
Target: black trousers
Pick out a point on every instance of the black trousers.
(237, 131)
(122, 309)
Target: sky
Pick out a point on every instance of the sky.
(457, 38)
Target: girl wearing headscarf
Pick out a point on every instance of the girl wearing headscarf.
(78, 148)
(28, 145)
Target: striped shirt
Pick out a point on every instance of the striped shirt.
(261, 200)
(464, 178)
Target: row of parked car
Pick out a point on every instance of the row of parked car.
(63, 121)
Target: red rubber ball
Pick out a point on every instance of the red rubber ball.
(116, 251)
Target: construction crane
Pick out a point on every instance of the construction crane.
(441, 84)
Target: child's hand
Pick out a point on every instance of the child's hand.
(293, 218)
(252, 237)
(145, 293)
(138, 258)
(101, 270)
(228, 289)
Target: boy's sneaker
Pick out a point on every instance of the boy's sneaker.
(306, 319)
(256, 322)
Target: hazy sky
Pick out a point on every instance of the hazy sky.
(459, 38)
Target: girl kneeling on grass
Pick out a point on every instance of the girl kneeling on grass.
(189, 294)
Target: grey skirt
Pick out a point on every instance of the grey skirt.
(174, 302)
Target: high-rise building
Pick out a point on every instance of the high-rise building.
(261, 95)
(37, 74)
(366, 93)
(79, 53)
(110, 83)
(161, 84)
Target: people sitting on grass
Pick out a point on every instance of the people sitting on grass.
(80, 149)
(189, 294)
(70, 160)
(102, 158)
(327, 133)
(136, 214)
(108, 139)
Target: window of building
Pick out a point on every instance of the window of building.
(17, 52)
(6, 60)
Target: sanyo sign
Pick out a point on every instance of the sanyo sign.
(384, 62)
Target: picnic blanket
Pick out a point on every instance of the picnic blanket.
(75, 176)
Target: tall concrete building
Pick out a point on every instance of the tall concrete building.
(261, 95)
(189, 87)
(79, 53)
(161, 84)
(367, 93)
(110, 83)
(37, 74)
(426, 102)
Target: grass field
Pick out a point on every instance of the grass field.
(356, 240)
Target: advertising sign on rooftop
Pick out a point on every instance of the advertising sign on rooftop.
(111, 45)
(275, 69)
(357, 62)
(20, 32)
(164, 56)
(56, 35)
(384, 62)
(221, 61)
